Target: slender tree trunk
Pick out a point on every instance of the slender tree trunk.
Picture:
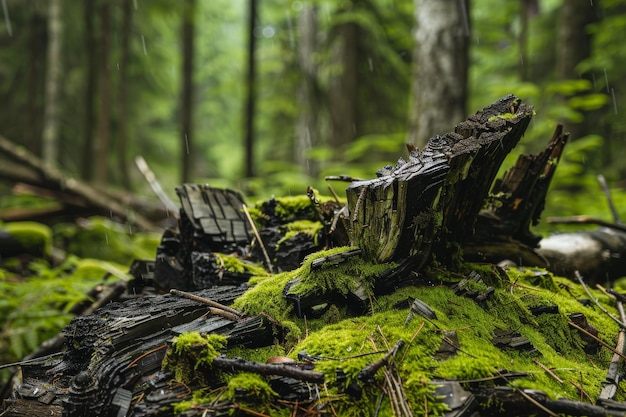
(50, 147)
(91, 49)
(440, 68)
(189, 7)
(122, 119)
(101, 144)
(343, 85)
(573, 46)
(251, 93)
(36, 38)
(307, 94)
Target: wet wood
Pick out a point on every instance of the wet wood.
(430, 202)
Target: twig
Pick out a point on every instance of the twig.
(155, 185)
(548, 371)
(609, 199)
(583, 219)
(602, 342)
(536, 403)
(582, 283)
(419, 329)
(581, 390)
(207, 301)
(369, 371)
(223, 362)
(143, 355)
(258, 238)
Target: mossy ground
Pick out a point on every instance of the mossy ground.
(346, 343)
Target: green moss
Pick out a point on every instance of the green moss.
(235, 264)
(190, 351)
(249, 388)
(505, 116)
(343, 277)
(308, 227)
(35, 237)
(198, 398)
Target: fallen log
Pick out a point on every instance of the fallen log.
(39, 173)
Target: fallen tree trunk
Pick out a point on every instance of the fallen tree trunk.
(40, 174)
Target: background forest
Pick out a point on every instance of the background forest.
(269, 97)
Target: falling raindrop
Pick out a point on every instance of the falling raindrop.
(7, 19)
(371, 64)
(135, 4)
(292, 41)
(186, 144)
(614, 101)
(143, 42)
(606, 79)
(106, 238)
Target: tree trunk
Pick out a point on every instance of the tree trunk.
(251, 91)
(90, 90)
(36, 38)
(53, 80)
(101, 144)
(122, 119)
(440, 68)
(189, 7)
(307, 95)
(343, 85)
(574, 46)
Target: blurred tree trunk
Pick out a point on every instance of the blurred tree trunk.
(574, 46)
(343, 84)
(440, 59)
(528, 10)
(101, 143)
(50, 138)
(122, 119)
(36, 75)
(91, 48)
(189, 7)
(251, 91)
(307, 130)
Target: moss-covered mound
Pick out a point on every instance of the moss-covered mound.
(469, 337)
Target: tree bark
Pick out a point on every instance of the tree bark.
(440, 68)
(251, 91)
(90, 90)
(343, 85)
(53, 80)
(189, 7)
(573, 46)
(307, 131)
(36, 38)
(101, 144)
(122, 119)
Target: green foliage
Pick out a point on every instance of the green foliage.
(35, 238)
(35, 308)
(102, 238)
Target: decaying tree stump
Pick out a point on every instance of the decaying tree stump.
(431, 201)
(436, 205)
